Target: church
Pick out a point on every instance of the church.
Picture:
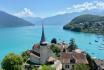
(41, 52)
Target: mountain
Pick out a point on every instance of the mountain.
(7, 20)
(53, 20)
(34, 20)
(60, 19)
(86, 23)
(63, 19)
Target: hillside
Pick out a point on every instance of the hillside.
(61, 19)
(7, 20)
(86, 23)
(34, 20)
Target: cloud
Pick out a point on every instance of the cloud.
(87, 6)
(61, 12)
(98, 5)
(25, 13)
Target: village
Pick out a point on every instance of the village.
(51, 35)
(59, 56)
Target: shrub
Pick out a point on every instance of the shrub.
(81, 67)
(25, 55)
(47, 67)
(12, 62)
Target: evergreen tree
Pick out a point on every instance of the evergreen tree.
(91, 62)
(72, 45)
(54, 40)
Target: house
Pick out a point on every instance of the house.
(56, 63)
(100, 64)
(69, 58)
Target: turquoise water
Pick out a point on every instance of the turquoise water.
(20, 39)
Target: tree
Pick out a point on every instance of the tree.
(12, 62)
(55, 49)
(47, 67)
(25, 55)
(81, 67)
(54, 40)
(91, 62)
(72, 45)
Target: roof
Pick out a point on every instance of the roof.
(43, 40)
(36, 46)
(100, 63)
(35, 53)
(78, 57)
(64, 58)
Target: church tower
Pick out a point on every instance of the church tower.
(43, 40)
(44, 51)
(41, 53)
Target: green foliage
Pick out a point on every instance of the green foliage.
(1, 69)
(34, 68)
(55, 49)
(92, 63)
(25, 55)
(81, 67)
(73, 27)
(86, 23)
(12, 62)
(72, 45)
(47, 67)
(87, 18)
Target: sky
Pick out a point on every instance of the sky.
(47, 8)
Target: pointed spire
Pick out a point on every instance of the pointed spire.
(43, 41)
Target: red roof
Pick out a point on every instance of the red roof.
(36, 46)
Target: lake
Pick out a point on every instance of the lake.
(20, 39)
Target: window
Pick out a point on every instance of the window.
(64, 50)
(72, 60)
(66, 66)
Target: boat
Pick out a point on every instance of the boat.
(90, 43)
(101, 48)
(96, 41)
(102, 43)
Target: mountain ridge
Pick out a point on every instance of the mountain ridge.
(8, 20)
(61, 19)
